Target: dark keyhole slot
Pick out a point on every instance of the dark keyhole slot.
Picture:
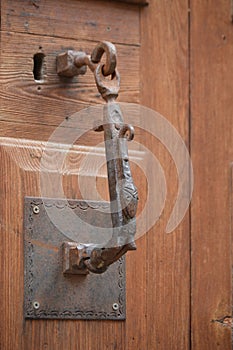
(38, 69)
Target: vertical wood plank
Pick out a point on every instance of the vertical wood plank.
(136, 276)
(212, 152)
(165, 80)
(11, 263)
(230, 324)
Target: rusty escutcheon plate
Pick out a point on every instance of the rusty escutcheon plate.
(48, 293)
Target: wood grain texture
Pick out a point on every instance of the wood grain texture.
(11, 277)
(134, 2)
(20, 177)
(165, 77)
(31, 110)
(56, 98)
(231, 240)
(212, 152)
(231, 245)
(162, 293)
(75, 19)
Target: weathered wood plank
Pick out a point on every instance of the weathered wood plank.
(20, 176)
(76, 19)
(134, 2)
(67, 333)
(49, 102)
(212, 152)
(11, 260)
(165, 77)
(231, 238)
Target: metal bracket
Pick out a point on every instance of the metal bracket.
(52, 289)
(72, 254)
(66, 64)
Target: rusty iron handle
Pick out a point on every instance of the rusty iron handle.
(123, 192)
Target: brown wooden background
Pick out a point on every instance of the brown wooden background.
(174, 57)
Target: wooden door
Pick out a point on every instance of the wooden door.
(176, 58)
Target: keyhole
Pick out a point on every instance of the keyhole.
(38, 69)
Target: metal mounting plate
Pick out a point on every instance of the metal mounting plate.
(48, 293)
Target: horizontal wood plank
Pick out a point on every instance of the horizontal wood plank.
(134, 2)
(23, 99)
(89, 19)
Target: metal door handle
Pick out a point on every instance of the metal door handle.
(82, 258)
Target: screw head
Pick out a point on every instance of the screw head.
(115, 306)
(36, 209)
(36, 305)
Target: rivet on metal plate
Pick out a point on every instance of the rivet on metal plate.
(36, 305)
(115, 306)
(57, 286)
(36, 209)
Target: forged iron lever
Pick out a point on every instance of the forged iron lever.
(81, 258)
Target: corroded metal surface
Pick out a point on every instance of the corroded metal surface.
(122, 191)
(49, 293)
(73, 256)
(71, 63)
(66, 66)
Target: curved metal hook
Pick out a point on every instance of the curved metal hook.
(127, 131)
(111, 56)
